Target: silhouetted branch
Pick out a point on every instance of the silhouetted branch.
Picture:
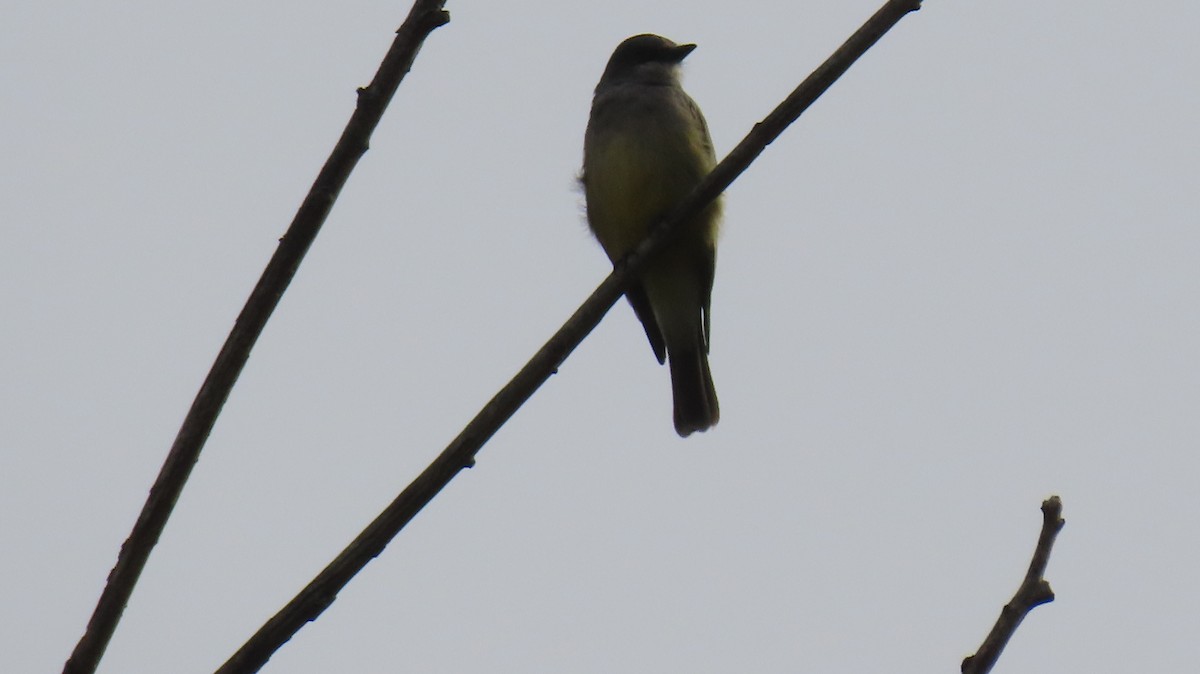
(1034, 592)
(460, 453)
(425, 16)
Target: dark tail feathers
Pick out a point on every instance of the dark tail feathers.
(692, 386)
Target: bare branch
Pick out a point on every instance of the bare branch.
(1034, 592)
(460, 453)
(425, 16)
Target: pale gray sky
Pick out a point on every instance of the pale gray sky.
(965, 280)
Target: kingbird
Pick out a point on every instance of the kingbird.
(646, 147)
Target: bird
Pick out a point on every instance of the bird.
(646, 146)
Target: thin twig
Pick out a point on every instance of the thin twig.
(460, 453)
(1034, 592)
(425, 16)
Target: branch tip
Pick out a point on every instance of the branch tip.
(1034, 591)
(1052, 512)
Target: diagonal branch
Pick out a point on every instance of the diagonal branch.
(425, 16)
(1034, 592)
(460, 453)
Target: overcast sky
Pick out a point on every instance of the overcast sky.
(965, 280)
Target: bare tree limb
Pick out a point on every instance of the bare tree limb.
(425, 16)
(320, 593)
(1034, 592)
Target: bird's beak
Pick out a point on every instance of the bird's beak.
(682, 50)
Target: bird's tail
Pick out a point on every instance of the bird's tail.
(692, 386)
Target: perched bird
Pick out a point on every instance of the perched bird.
(646, 147)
